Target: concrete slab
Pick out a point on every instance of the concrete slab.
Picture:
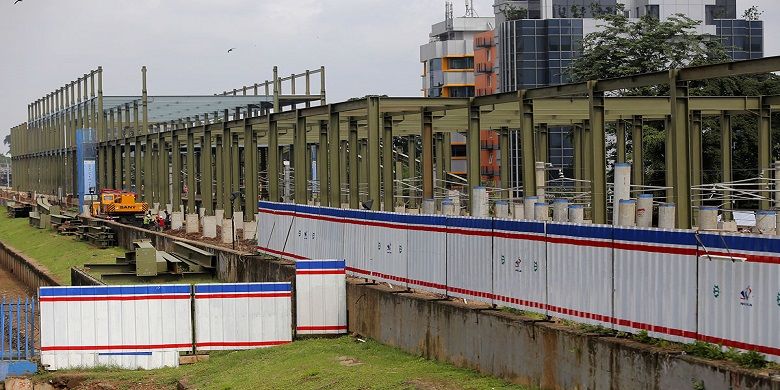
(250, 230)
(227, 234)
(192, 223)
(177, 220)
(210, 226)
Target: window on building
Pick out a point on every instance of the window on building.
(461, 63)
(461, 91)
(434, 64)
(653, 10)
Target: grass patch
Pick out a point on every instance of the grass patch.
(55, 252)
(342, 363)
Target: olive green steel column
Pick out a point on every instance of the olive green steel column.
(273, 160)
(354, 165)
(374, 136)
(163, 178)
(147, 173)
(323, 164)
(620, 144)
(527, 144)
(577, 132)
(447, 153)
(725, 162)
(335, 159)
(191, 183)
(206, 179)
(176, 166)
(637, 152)
(250, 172)
(543, 141)
(227, 167)
(503, 145)
(412, 161)
(472, 150)
(219, 169)
(438, 145)
(682, 149)
(696, 156)
(109, 151)
(343, 184)
(427, 154)
(669, 159)
(235, 172)
(128, 161)
(387, 163)
(598, 137)
(765, 153)
(300, 158)
(138, 166)
(363, 169)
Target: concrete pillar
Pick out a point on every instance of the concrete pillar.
(541, 211)
(529, 202)
(177, 220)
(561, 210)
(576, 213)
(626, 212)
(193, 224)
(622, 188)
(644, 210)
(666, 216)
(708, 218)
(210, 226)
(227, 231)
(479, 202)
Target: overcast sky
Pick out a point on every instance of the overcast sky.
(367, 46)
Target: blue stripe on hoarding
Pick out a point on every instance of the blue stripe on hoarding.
(277, 206)
(653, 236)
(741, 243)
(519, 226)
(114, 290)
(242, 287)
(470, 223)
(320, 264)
(125, 353)
(580, 231)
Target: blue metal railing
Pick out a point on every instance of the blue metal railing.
(17, 328)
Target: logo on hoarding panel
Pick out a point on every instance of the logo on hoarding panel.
(744, 296)
(518, 263)
(716, 291)
(536, 266)
(778, 299)
(503, 259)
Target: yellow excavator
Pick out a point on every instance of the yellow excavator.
(119, 205)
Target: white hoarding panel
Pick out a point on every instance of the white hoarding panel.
(520, 265)
(142, 326)
(427, 252)
(470, 258)
(579, 272)
(386, 247)
(655, 282)
(276, 236)
(354, 243)
(242, 315)
(320, 297)
(739, 292)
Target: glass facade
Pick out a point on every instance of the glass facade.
(743, 39)
(461, 63)
(436, 76)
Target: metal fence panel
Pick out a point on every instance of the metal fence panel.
(279, 235)
(142, 326)
(17, 328)
(470, 258)
(386, 247)
(520, 265)
(427, 252)
(739, 292)
(320, 297)
(242, 315)
(655, 282)
(354, 241)
(579, 273)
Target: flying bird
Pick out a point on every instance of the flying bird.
(17, 1)
(229, 50)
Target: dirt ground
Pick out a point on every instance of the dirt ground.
(10, 287)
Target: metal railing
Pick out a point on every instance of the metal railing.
(17, 328)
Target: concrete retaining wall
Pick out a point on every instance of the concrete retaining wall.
(79, 277)
(24, 269)
(541, 354)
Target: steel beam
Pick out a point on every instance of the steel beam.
(374, 136)
(527, 144)
(472, 150)
(273, 161)
(334, 160)
(682, 148)
(765, 153)
(725, 163)
(387, 163)
(598, 144)
(427, 154)
(637, 152)
(354, 166)
(300, 159)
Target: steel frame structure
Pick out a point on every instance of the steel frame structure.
(354, 139)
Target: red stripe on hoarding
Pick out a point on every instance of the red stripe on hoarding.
(241, 343)
(281, 253)
(323, 327)
(322, 272)
(242, 295)
(112, 347)
(111, 298)
(738, 344)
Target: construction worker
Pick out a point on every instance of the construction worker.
(147, 219)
